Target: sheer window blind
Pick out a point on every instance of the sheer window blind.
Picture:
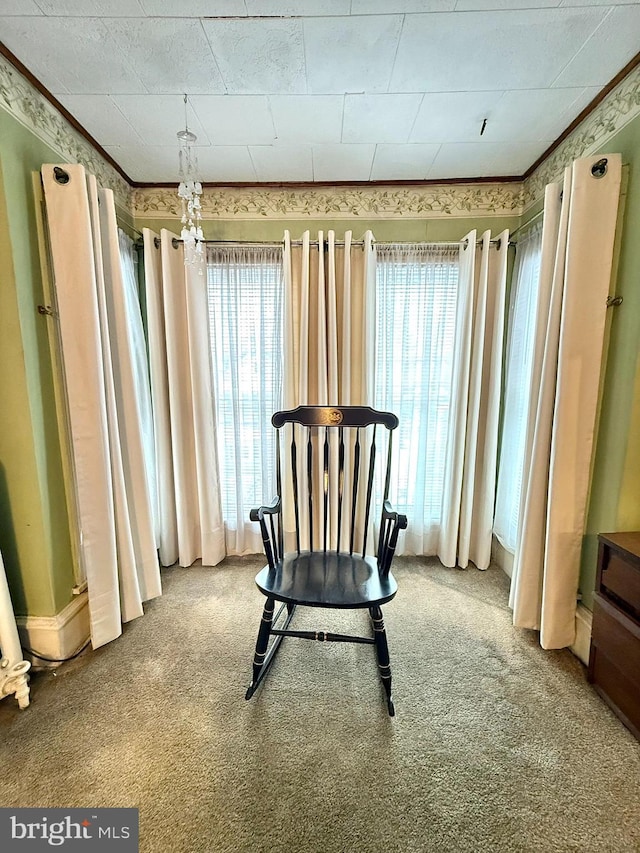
(518, 368)
(245, 297)
(417, 294)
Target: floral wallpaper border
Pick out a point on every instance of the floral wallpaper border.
(377, 202)
(33, 110)
(26, 104)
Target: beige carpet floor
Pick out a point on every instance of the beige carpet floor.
(497, 745)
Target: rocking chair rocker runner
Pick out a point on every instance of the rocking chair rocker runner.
(324, 505)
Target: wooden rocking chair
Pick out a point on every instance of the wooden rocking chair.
(328, 454)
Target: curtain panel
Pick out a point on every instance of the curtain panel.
(100, 355)
(329, 321)
(329, 344)
(189, 509)
(472, 443)
(575, 271)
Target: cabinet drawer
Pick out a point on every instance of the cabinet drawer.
(622, 578)
(617, 636)
(616, 688)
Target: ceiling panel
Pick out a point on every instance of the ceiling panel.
(482, 159)
(158, 118)
(271, 161)
(235, 119)
(298, 7)
(307, 118)
(350, 54)
(598, 2)
(379, 118)
(264, 56)
(160, 162)
(535, 115)
(220, 163)
(493, 50)
(453, 116)
(193, 8)
(402, 162)
(71, 54)
(342, 162)
(503, 5)
(90, 8)
(161, 51)
(608, 50)
(102, 118)
(20, 7)
(388, 7)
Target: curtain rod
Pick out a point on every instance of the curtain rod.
(340, 243)
(528, 222)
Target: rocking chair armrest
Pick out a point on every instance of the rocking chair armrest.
(259, 513)
(392, 523)
(399, 519)
(270, 532)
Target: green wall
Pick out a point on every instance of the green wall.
(384, 230)
(34, 527)
(615, 491)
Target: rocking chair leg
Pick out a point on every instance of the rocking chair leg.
(382, 653)
(261, 645)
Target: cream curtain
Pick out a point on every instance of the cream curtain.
(470, 472)
(577, 251)
(183, 406)
(329, 321)
(329, 341)
(116, 537)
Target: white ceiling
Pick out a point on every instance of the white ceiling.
(324, 90)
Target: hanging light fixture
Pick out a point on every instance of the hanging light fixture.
(189, 192)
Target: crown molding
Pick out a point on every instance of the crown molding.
(20, 98)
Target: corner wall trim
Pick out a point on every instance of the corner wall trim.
(58, 636)
(582, 642)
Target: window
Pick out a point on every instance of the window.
(245, 296)
(417, 301)
(417, 294)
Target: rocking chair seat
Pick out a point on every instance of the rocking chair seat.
(327, 579)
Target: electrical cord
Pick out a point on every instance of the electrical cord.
(55, 660)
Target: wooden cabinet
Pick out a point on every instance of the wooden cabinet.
(614, 659)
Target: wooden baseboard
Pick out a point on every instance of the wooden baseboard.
(58, 636)
(501, 557)
(582, 642)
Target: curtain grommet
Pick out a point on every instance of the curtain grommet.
(61, 176)
(599, 168)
